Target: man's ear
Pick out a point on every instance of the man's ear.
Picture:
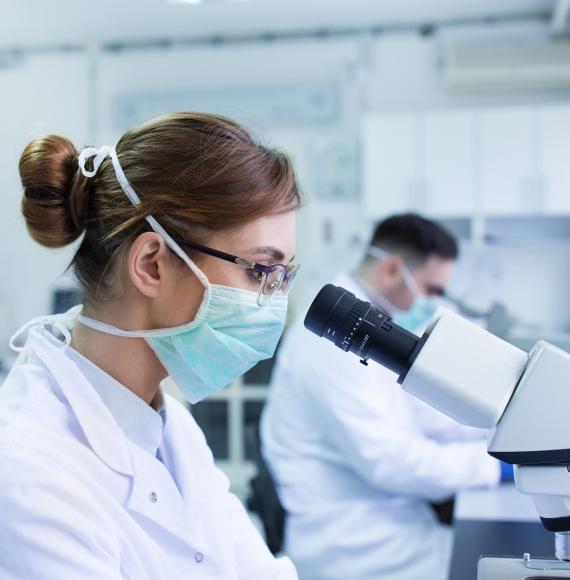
(392, 266)
(147, 258)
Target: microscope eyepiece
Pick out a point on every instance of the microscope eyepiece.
(357, 326)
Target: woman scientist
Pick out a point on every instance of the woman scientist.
(185, 259)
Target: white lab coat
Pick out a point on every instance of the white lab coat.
(80, 501)
(357, 460)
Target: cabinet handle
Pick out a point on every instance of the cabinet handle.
(542, 192)
(533, 194)
(527, 191)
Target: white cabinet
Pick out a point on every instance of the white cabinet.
(498, 161)
(390, 163)
(419, 162)
(508, 167)
(447, 163)
(554, 181)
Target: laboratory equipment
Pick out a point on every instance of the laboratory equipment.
(482, 381)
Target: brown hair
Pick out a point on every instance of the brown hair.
(196, 173)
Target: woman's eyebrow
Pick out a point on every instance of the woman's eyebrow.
(270, 251)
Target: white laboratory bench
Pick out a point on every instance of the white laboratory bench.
(503, 503)
(495, 522)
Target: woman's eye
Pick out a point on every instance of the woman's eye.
(255, 275)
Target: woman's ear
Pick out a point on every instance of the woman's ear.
(147, 263)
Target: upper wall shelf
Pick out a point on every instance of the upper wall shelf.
(484, 162)
(510, 229)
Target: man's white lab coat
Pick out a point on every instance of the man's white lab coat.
(357, 461)
(80, 501)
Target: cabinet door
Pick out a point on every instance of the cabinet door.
(390, 163)
(447, 163)
(554, 127)
(508, 168)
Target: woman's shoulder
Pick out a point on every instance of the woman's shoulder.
(22, 392)
(34, 419)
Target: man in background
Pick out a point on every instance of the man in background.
(356, 459)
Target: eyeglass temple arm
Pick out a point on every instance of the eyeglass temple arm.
(225, 256)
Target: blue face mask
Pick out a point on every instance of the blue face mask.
(416, 318)
(422, 310)
(230, 334)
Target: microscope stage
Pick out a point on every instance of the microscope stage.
(515, 569)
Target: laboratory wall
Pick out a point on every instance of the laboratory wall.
(320, 87)
(40, 94)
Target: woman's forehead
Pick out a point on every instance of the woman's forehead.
(267, 238)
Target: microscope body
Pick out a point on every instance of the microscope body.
(534, 435)
(524, 399)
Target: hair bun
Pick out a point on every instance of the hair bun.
(53, 198)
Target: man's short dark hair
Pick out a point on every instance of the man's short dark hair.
(414, 238)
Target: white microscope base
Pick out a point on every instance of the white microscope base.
(514, 569)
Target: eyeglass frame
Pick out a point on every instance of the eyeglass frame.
(265, 269)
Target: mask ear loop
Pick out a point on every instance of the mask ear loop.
(407, 275)
(135, 200)
(178, 251)
(43, 320)
(410, 281)
(99, 156)
(377, 253)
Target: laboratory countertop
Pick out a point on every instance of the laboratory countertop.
(503, 503)
(495, 522)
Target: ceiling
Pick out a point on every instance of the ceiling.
(37, 23)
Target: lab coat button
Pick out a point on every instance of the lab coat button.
(153, 497)
(199, 557)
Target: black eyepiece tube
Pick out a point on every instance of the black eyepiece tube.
(356, 326)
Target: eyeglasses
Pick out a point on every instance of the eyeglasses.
(437, 291)
(273, 279)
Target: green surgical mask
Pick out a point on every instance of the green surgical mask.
(230, 334)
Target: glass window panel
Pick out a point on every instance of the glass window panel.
(260, 374)
(212, 416)
(251, 416)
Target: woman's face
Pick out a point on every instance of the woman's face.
(267, 240)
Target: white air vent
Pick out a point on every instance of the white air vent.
(515, 66)
(310, 104)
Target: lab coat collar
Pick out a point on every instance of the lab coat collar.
(103, 434)
(179, 509)
(154, 493)
(137, 419)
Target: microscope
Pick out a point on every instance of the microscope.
(523, 399)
